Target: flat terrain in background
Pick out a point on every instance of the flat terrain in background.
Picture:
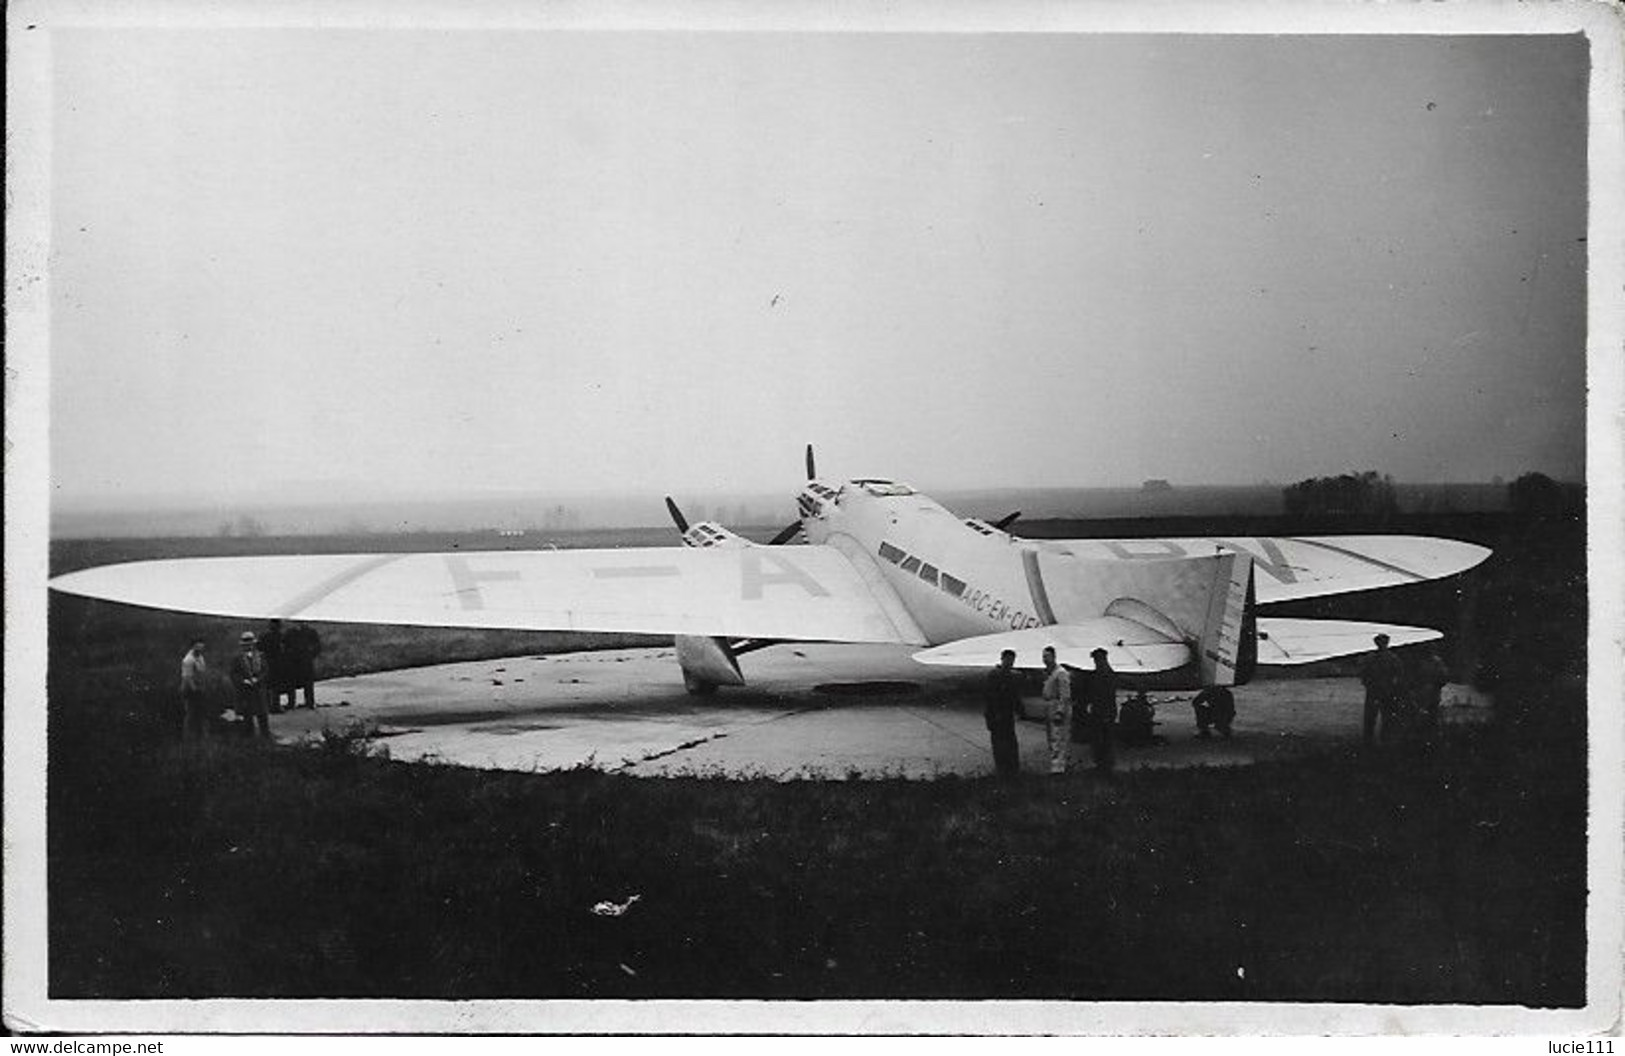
(1452, 872)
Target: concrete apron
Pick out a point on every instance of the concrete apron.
(810, 711)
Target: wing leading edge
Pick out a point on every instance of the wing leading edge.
(806, 593)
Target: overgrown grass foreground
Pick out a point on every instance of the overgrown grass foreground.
(1385, 875)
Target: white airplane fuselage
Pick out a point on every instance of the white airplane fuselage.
(957, 578)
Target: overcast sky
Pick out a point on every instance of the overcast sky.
(349, 261)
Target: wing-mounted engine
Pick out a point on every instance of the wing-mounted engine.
(709, 533)
(712, 661)
(707, 663)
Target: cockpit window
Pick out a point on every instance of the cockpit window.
(884, 488)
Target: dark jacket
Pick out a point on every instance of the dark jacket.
(301, 645)
(1003, 698)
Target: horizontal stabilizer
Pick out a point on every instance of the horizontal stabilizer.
(1130, 647)
(1287, 641)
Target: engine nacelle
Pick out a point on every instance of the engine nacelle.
(707, 663)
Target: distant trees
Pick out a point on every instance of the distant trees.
(244, 526)
(1363, 494)
(1536, 497)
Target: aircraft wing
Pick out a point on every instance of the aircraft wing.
(806, 593)
(1304, 567)
(1131, 647)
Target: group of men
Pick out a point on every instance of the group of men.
(1400, 698)
(265, 668)
(1096, 723)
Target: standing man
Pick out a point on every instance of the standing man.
(300, 648)
(1384, 679)
(1215, 706)
(1431, 677)
(1058, 701)
(1103, 712)
(195, 710)
(274, 650)
(248, 677)
(1003, 700)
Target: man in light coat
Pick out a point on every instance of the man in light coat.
(1058, 708)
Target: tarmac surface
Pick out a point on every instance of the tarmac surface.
(809, 711)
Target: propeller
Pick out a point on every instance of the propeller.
(677, 515)
(787, 533)
(1004, 522)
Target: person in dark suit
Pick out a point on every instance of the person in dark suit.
(1383, 676)
(271, 647)
(1003, 700)
(301, 645)
(1103, 713)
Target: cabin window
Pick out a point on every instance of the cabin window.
(884, 488)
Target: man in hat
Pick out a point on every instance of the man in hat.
(248, 677)
(1003, 700)
(1383, 676)
(1103, 712)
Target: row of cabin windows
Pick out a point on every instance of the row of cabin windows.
(929, 573)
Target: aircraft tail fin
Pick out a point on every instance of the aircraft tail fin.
(1288, 641)
(1225, 651)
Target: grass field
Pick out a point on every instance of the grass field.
(1392, 875)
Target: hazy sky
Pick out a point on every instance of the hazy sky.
(420, 261)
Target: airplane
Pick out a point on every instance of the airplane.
(881, 563)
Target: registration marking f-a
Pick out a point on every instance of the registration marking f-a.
(466, 581)
(752, 579)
